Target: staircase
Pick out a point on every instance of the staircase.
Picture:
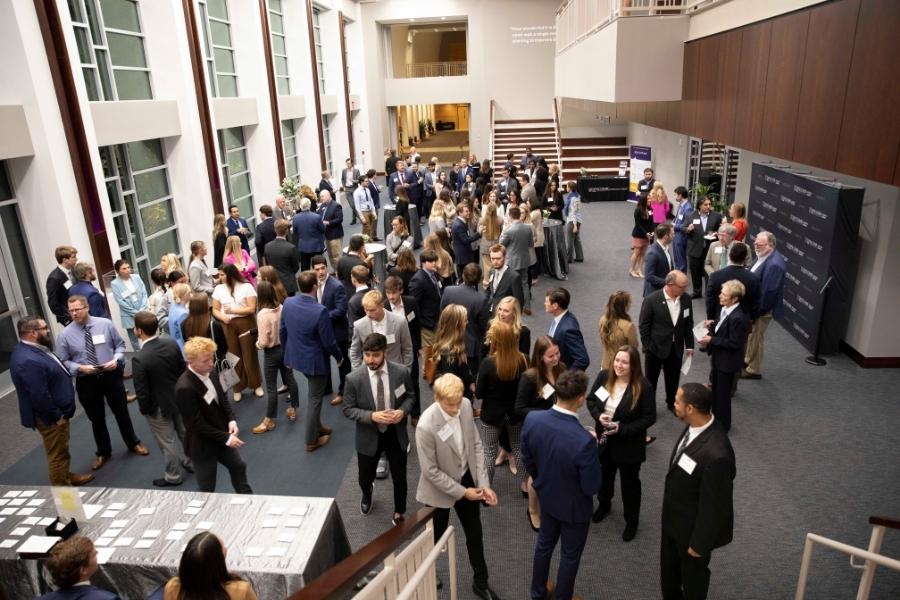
(516, 135)
(597, 156)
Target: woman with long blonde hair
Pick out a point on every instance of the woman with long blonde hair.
(490, 225)
(659, 203)
(444, 262)
(449, 347)
(170, 263)
(509, 311)
(219, 235)
(437, 218)
(615, 327)
(240, 258)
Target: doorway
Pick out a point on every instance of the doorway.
(436, 130)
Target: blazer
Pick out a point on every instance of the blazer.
(476, 306)
(726, 346)
(498, 397)
(395, 180)
(334, 299)
(529, 398)
(656, 267)
(96, 302)
(510, 284)
(680, 222)
(715, 258)
(309, 231)
(43, 385)
(80, 592)
(428, 298)
(307, 336)
(359, 404)
(697, 244)
(131, 304)
(410, 309)
(282, 256)
(561, 457)
(354, 175)
(206, 425)
(771, 275)
(219, 249)
(343, 271)
(658, 335)
(571, 343)
(233, 229)
(517, 238)
(707, 491)
(265, 233)
(399, 348)
(355, 310)
(58, 294)
(439, 480)
(156, 368)
(324, 184)
(462, 242)
(332, 212)
(750, 301)
(628, 445)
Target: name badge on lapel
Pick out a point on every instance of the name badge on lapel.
(445, 432)
(602, 394)
(67, 284)
(400, 390)
(547, 391)
(686, 313)
(410, 316)
(210, 396)
(391, 338)
(687, 463)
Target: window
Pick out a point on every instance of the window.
(236, 172)
(326, 133)
(111, 49)
(218, 47)
(140, 200)
(320, 63)
(279, 47)
(289, 140)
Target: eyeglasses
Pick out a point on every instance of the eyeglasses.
(72, 311)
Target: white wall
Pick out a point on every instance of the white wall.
(737, 13)
(669, 153)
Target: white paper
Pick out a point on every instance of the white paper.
(197, 503)
(35, 502)
(104, 554)
(28, 493)
(31, 521)
(253, 551)
(180, 526)
(4, 501)
(233, 359)
(124, 541)
(110, 514)
(144, 544)
(174, 535)
(547, 391)
(18, 531)
(192, 510)
(407, 242)
(103, 542)
(117, 506)
(270, 523)
(700, 331)
(111, 533)
(286, 538)
(602, 393)
(205, 525)
(295, 522)
(8, 511)
(277, 551)
(26, 511)
(12, 494)
(238, 501)
(276, 510)
(38, 544)
(17, 502)
(119, 523)
(47, 521)
(686, 366)
(91, 510)
(8, 543)
(146, 511)
(300, 510)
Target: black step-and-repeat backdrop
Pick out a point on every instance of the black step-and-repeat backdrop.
(816, 225)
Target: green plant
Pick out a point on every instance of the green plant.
(430, 126)
(701, 190)
(289, 189)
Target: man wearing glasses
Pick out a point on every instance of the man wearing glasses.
(46, 397)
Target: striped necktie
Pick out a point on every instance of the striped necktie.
(89, 348)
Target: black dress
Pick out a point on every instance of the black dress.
(219, 249)
(498, 396)
(643, 224)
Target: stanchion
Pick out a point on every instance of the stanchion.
(815, 359)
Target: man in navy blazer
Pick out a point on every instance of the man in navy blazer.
(737, 256)
(462, 239)
(307, 338)
(238, 226)
(561, 457)
(332, 294)
(71, 564)
(658, 261)
(46, 396)
(770, 266)
(565, 330)
(309, 231)
(332, 214)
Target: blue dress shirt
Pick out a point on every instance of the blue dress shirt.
(70, 344)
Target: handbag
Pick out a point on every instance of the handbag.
(429, 368)
(228, 376)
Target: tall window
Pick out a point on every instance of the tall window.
(279, 48)
(320, 63)
(219, 49)
(326, 133)
(289, 140)
(236, 172)
(111, 49)
(140, 199)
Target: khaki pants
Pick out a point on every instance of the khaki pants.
(428, 336)
(369, 221)
(486, 270)
(56, 445)
(755, 343)
(334, 251)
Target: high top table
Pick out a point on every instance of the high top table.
(415, 230)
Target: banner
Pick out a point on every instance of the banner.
(640, 160)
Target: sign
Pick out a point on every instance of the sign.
(640, 160)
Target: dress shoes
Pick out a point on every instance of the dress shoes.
(291, 413)
(140, 450)
(397, 519)
(283, 389)
(337, 400)
(323, 439)
(265, 426)
(630, 532)
(531, 521)
(600, 513)
(324, 430)
(99, 461)
(745, 374)
(485, 593)
(365, 503)
(77, 480)
(166, 483)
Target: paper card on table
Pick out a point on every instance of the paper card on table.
(151, 533)
(68, 503)
(276, 510)
(18, 531)
(206, 525)
(192, 510)
(103, 542)
(110, 514)
(35, 501)
(111, 533)
(104, 554)
(287, 538)
(270, 523)
(8, 511)
(124, 541)
(12, 494)
(197, 503)
(299, 510)
(117, 506)
(46, 521)
(28, 493)
(277, 551)
(2, 519)
(238, 501)
(38, 544)
(4, 501)
(17, 502)
(8, 543)
(31, 521)
(700, 331)
(91, 510)
(253, 551)
(147, 511)
(26, 511)
(687, 365)
(295, 522)
(143, 543)
(119, 523)
(181, 526)
(174, 535)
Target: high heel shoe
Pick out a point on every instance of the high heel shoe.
(502, 457)
(513, 467)
(530, 522)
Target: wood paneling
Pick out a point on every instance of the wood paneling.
(656, 114)
(786, 54)
(709, 70)
(826, 70)
(687, 108)
(726, 98)
(870, 129)
(751, 86)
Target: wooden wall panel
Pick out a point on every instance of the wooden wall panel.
(870, 130)
(688, 106)
(708, 74)
(826, 70)
(786, 54)
(726, 97)
(656, 114)
(751, 85)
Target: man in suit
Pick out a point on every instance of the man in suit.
(717, 255)
(364, 204)
(645, 185)
(467, 295)
(428, 179)
(71, 565)
(46, 396)
(463, 239)
(359, 277)
(698, 507)
(565, 330)
(156, 369)
(84, 274)
(238, 226)
(397, 179)
(59, 281)
(658, 260)
(703, 223)
(414, 179)
(453, 473)
(529, 193)
(309, 231)
(376, 192)
(354, 257)
(561, 457)
(518, 239)
(507, 184)
(284, 257)
(325, 185)
(738, 255)
(331, 294)
(211, 430)
(425, 287)
(332, 216)
(503, 281)
(770, 267)
(683, 210)
(265, 233)
(281, 210)
(308, 338)
(349, 183)
(378, 397)
(393, 327)
(666, 328)
(405, 306)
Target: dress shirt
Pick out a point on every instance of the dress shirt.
(673, 305)
(612, 403)
(726, 310)
(693, 432)
(348, 178)
(149, 339)
(320, 289)
(398, 309)
(564, 411)
(759, 262)
(497, 276)
(556, 320)
(665, 250)
(456, 428)
(374, 376)
(70, 344)
(209, 385)
(703, 219)
(362, 198)
(379, 326)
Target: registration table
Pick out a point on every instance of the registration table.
(555, 262)
(278, 543)
(388, 213)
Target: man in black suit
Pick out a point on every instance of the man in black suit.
(282, 256)
(463, 239)
(325, 185)
(666, 327)
(265, 233)
(407, 307)
(331, 294)
(698, 508)
(503, 281)
(156, 369)
(703, 224)
(238, 226)
(425, 287)
(211, 429)
(59, 281)
(658, 260)
(359, 276)
(466, 294)
(354, 257)
(737, 258)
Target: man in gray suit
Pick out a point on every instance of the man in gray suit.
(378, 397)
(467, 295)
(518, 238)
(453, 473)
(392, 326)
(282, 255)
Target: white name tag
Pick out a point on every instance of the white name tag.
(98, 339)
(602, 393)
(401, 389)
(547, 391)
(718, 250)
(209, 396)
(686, 313)
(67, 284)
(445, 432)
(687, 463)
(410, 316)
(391, 338)
(696, 221)
(680, 217)
(407, 242)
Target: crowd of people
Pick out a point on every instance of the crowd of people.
(452, 320)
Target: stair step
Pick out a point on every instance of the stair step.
(595, 151)
(523, 128)
(505, 121)
(589, 142)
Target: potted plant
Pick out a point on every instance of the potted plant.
(430, 127)
(701, 190)
(422, 130)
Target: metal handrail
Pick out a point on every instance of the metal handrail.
(557, 133)
(436, 69)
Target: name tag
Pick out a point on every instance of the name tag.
(391, 338)
(407, 242)
(445, 432)
(718, 250)
(687, 463)
(686, 313)
(67, 284)
(98, 339)
(410, 316)
(680, 217)
(547, 391)
(602, 393)
(401, 389)
(696, 221)
(210, 396)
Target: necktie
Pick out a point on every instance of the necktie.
(723, 257)
(89, 348)
(681, 447)
(552, 328)
(379, 398)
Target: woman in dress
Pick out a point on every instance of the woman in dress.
(219, 235)
(738, 214)
(130, 294)
(202, 573)
(659, 203)
(268, 322)
(399, 234)
(553, 201)
(234, 306)
(437, 218)
(489, 226)
(641, 235)
(240, 258)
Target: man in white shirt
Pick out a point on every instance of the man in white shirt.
(365, 207)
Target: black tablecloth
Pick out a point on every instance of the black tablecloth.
(388, 213)
(596, 188)
(555, 249)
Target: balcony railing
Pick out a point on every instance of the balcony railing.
(576, 19)
(435, 69)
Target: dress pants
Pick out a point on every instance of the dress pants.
(755, 342)
(242, 344)
(92, 390)
(680, 252)
(348, 198)
(526, 286)
(334, 248)
(273, 364)
(343, 370)
(306, 260)
(205, 468)
(574, 536)
(697, 273)
(722, 383)
(537, 268)
(490, 439)
(56, 445)
(629, 478)
(671, 368)
(469, 514)
(388, 443)
(315, 385)
(415, 375)
(682, 576)
(169, 436)
(574, 250)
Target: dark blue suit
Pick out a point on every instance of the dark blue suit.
(679, 246)
(81, 592)
(561, 457)
(96, 305)
(233, 230)
(656, 267)
(44, 387)
(771, 288)
(334, 214)
(334, 298)
(376, 195)
(571, 343)
(309, 231)
(462, 243)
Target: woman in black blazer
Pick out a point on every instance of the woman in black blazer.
(621, 402)
(725, 344)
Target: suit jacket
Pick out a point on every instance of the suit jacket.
(698, 507)
(354, 174)
(399, 349)
(395, 180)
(282, 256)
(658, 335)
(58, 295)
(43, 385)
(518, 238)
(233, 229)
(561, 457)
(324, 184)
(439, 480)
(309, 232)
(411, 310)
(476, 306)
(428, 298)
(359, 404)
(343, 271)
(96, 300)
(771, 292)
(656, 267)
(376, 194)
(462, 242)
(265, 233)
(355, 310)
(411, 178)
(80, 592)
(307, 336)
(571, 343)
(129, 305)
(334, 214)
(510, 284)
(750, 301)
(697, 244)
(206, 425)
(156, 369)
(628, 445)
(334, 299)
(726, 346)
